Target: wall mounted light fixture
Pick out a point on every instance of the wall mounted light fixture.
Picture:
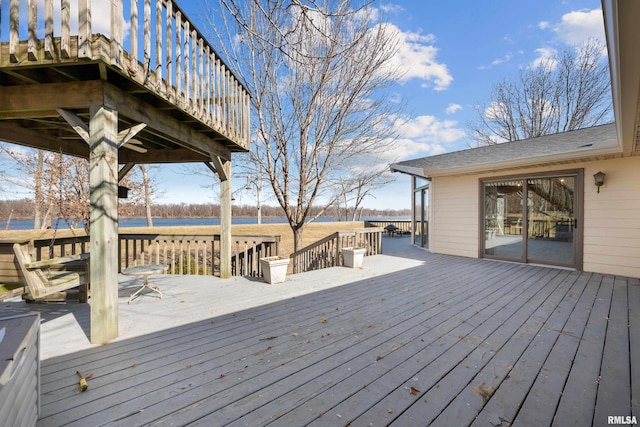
(598, 178)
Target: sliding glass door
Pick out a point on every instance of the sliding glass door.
(532, 219)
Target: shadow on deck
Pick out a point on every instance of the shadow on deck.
(411, 339)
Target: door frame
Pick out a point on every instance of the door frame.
(578, 236)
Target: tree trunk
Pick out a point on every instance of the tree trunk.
(297, 237)
(147, 194)
(37, 189)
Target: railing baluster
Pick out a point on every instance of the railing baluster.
(48, 29)
(133, 33)
(169, 50)
(14, 25)
(147, 39)
(116, 34)
(179, 42)
(158, 68)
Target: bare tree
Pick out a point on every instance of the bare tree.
(148, 193)
(557, 94)
(60, 185)
(317, 74)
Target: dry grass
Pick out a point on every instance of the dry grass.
(312, 232)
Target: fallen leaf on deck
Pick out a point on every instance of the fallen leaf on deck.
(263, 351)
(379, 357)
(323, 320)
(252, 318)
(187, 366)
(89, 375)
(295, 334)
(413, 390)
(484, 392)
(134, 365)
(390, 411)
(269, 338)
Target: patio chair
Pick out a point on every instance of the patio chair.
(52, 277)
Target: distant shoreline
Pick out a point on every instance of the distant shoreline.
(130, 222)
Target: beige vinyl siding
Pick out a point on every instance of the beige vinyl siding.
(612, 218)
(454, 221)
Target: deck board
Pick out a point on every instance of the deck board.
(345, 347)
(615, 377)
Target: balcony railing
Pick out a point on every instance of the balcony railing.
(327, 252)
(162, 51)
(184, 254)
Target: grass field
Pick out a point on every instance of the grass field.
(313, 232)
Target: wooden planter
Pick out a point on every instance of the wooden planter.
(274, 269)
(353, 257)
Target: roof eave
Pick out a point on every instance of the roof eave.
(529, 162)
(622, 33)
(409, 170)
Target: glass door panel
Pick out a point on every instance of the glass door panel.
(417, 219)
(551, 220)
(503, 220)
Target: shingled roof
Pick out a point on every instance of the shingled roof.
(598, 142)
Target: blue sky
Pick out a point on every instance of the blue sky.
(451, 53)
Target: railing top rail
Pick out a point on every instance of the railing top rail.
(315, 244)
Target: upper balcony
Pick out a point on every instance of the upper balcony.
(157, 59)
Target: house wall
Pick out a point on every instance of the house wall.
(453, 225)
(611, 218)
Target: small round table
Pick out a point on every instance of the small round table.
(145, 271)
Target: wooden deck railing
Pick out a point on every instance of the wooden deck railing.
(403, 225)
(185, 254)
(168, 54)
(326, 253)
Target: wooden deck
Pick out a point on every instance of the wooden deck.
(412, 339)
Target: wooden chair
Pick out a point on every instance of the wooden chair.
(48, 278)
(11, 283)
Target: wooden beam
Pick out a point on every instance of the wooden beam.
(126, 135)
(178, 132)
(70, 95)
(103, 173)
(30, 138)
(211, 168)
(225, 219)
(124, 170)
(218, 163)
(76, 123)
(178, 155)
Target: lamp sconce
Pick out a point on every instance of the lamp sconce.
(598, 179)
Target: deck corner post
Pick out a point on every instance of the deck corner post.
(103, 179)
(224, 172)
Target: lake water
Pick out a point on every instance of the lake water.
(27, 224)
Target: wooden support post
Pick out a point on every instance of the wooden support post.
(103, 180)
(224, 172)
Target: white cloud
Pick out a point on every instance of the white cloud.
(416, 58)
(543, 25)
(577, 26)
(545, 57)
(392, 8)
(425, 135)
(453, 108)
(506, 58)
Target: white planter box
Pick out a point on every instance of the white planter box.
(274, 269)
(353, 257)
